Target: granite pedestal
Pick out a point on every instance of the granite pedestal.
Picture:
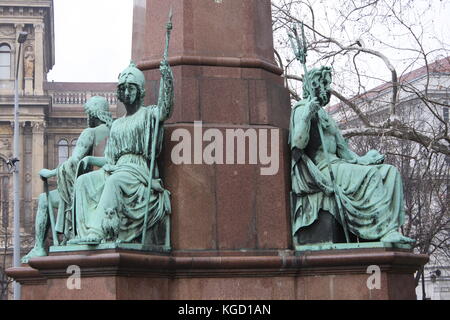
(127, 274)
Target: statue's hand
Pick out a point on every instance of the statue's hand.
(46, 174)
(169, 26)
(84, 163)
(164, 68)
(371, 157)
(156, 185)
(314, 106)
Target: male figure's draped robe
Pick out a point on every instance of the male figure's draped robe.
(371, 195)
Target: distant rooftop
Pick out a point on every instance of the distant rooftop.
(80, 86)
(439, 66)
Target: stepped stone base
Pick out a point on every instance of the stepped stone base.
(127, 274)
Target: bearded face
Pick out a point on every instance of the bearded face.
(322, 88)
(318, 85)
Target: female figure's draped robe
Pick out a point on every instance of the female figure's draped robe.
(371, 195)
(90, 142)
(122, 184)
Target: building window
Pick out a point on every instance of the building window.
(5, 61)
(73, 145)
(4, 193)
(63, 151)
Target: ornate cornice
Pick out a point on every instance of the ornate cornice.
(25, 9)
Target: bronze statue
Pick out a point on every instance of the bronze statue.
(363, 195)
(88, 143)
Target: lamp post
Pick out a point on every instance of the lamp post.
(16, 232)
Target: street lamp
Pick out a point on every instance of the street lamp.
(16, 232)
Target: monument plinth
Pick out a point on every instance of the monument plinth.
(124, 274)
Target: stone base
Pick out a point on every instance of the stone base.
(125, 274)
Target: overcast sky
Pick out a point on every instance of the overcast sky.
(92, 39)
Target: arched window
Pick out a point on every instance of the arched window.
(5, 61)
(63, 151)
(73, 145)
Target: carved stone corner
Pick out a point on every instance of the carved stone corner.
(39, 27)
(38, 127)
(19, 27)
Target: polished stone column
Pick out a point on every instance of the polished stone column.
(139, 22)
(39, 59)
(38, 129)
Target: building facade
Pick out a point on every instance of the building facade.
(51, 113)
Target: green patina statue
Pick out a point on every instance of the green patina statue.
(362, 194)
(125, 201)
(91, 142)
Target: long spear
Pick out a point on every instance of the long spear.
(155, 135)
(300, 51)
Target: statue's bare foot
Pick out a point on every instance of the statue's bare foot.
(35, 252)
(73, 241)
(396, 237)
(90, 240)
